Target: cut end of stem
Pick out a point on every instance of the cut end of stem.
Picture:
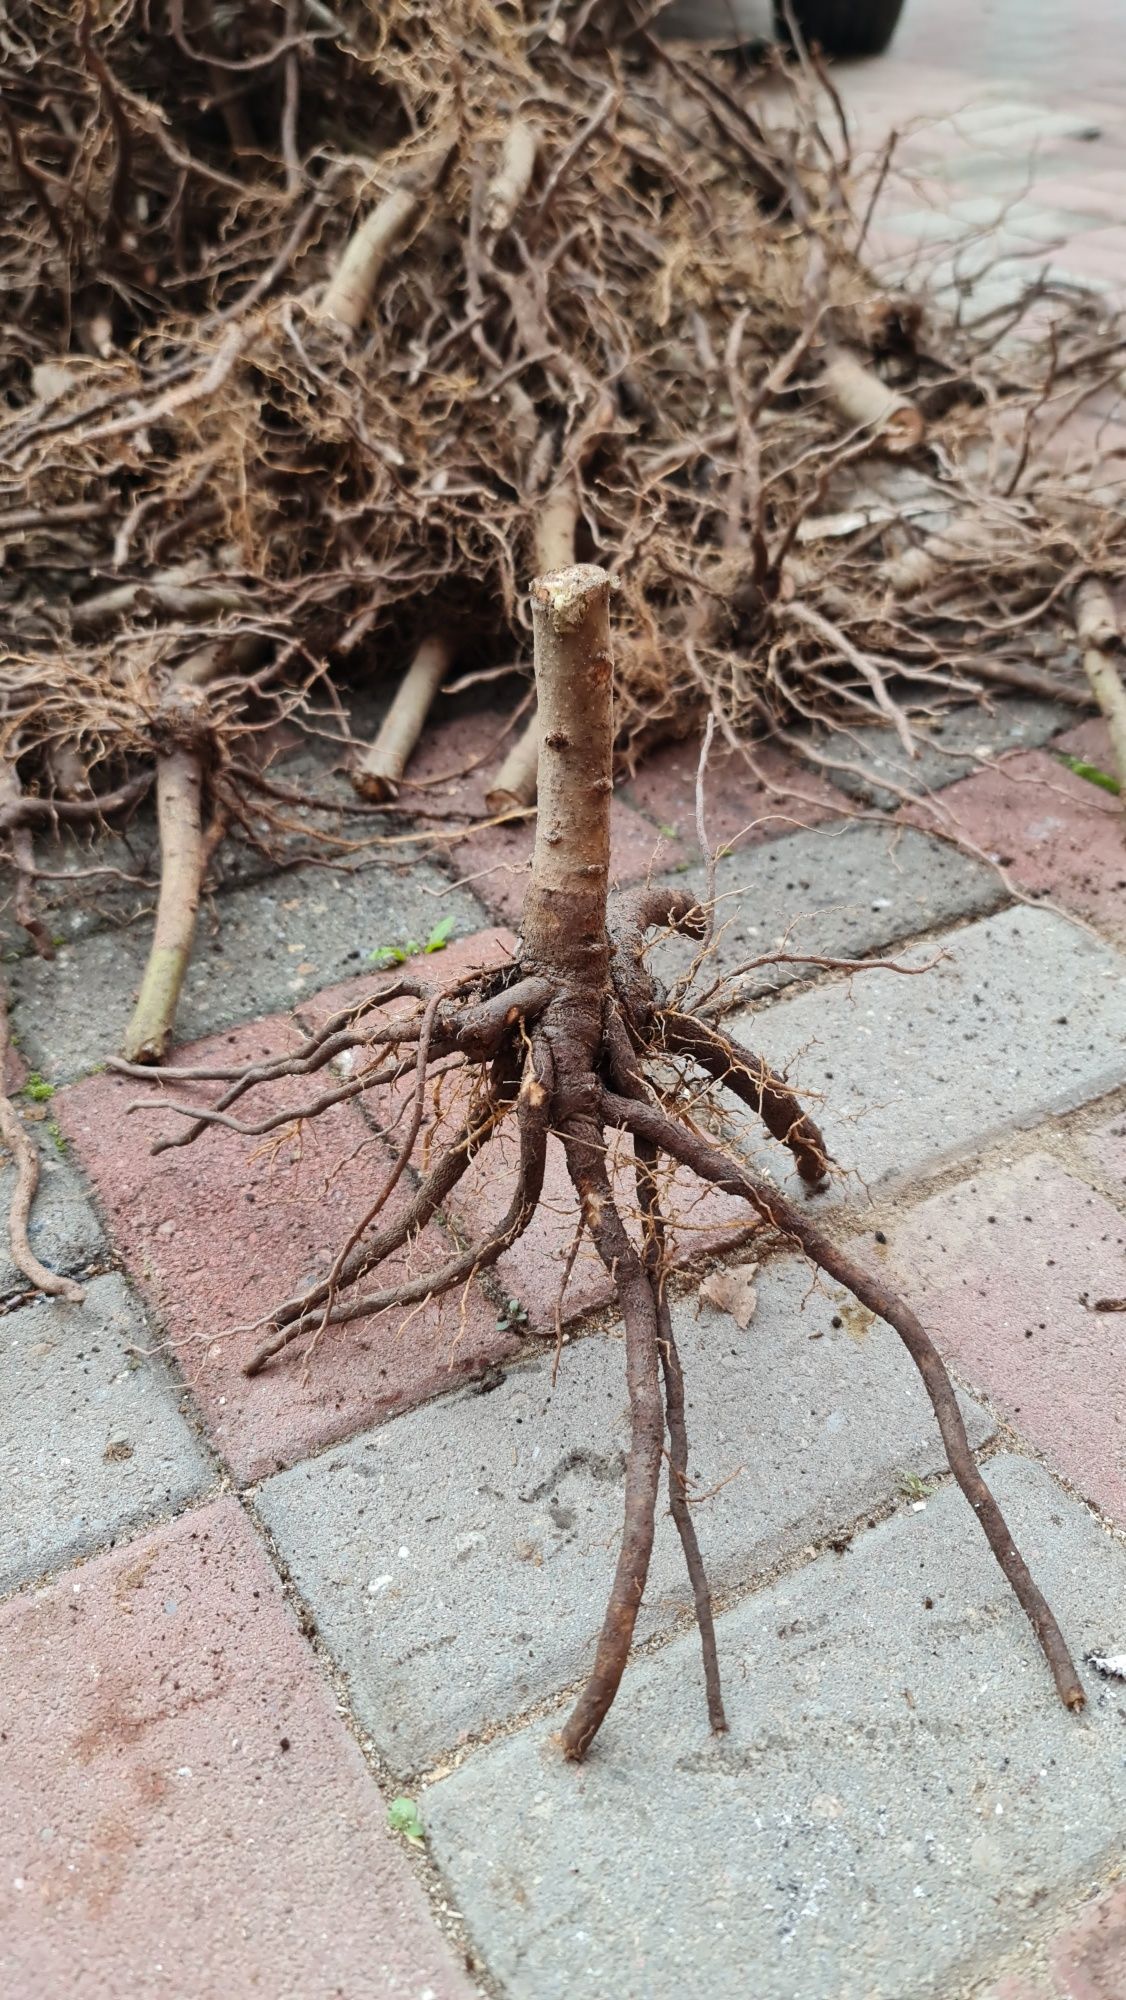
(567, 595)
(373, 786)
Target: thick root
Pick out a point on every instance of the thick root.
(179, 794)
(26, 1161)
(377, 774)
(1101, 640)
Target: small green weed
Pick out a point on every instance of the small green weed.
(511, 1318)
(38, 1091)
(57, 1137)
(403, 1817)
(914, 1487)
(398, 954)
(1091, 772)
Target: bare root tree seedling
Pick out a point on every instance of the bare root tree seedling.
(570, 1040)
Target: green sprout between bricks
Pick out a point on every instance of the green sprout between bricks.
(1079, 768)
(403, 1817)
(398, 954)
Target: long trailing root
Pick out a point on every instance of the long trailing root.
(584, 1145)
(653, 1125)
(569, 1040)
(673, 1375)
(26, 1161)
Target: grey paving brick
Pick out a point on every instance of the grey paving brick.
(260, 948)
(1025, 1017)
(845, 891)
(900, 1796)
(458, 1561)
(950, 748)
(92, 1441)
(64, 1231)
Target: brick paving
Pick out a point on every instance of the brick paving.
(241, 1615)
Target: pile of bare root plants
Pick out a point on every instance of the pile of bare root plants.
(327, 328)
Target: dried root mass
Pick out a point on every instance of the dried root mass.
(573, 1040)
(285, 401)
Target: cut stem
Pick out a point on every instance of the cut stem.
(866, 402)
(515, 782)
(565, 910)
(179, 793)
(510, 184)
(351, 289)
(377, 774)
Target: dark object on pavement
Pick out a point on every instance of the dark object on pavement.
(843, 27)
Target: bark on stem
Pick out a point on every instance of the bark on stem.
(377, 774)
(515, 782)
(1097, 626)
(865, 401)
(565, 910)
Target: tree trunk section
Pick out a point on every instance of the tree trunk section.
(565, 911)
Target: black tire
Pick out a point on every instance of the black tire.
(845, 27)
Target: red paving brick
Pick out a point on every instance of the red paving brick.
(1005, 1270)
(533, 1269)
(744, 801)
(1087, 1961)
(1106, 1147)
(1056, 834)
(483, 952)
(186, 1815)
(217, 1232)
(494, 863)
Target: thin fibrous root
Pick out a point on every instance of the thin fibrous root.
(306, 1315)
(648, 1122)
